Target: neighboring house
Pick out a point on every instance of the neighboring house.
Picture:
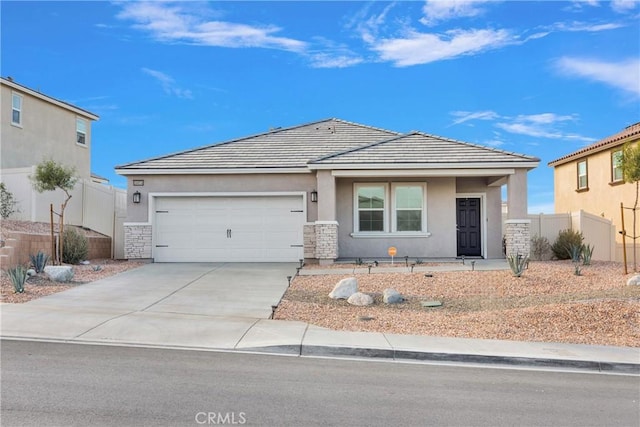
(36, 126)
(590, 179)
(326, 190)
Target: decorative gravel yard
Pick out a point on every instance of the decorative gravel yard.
(548, 303)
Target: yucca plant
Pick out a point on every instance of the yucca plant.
(39, 261)
(518, 264)
(575, 252)
(18, 276)
(587, 253)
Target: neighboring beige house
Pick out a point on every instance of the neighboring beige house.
(590, 179)
(36, 126)
(326, 190)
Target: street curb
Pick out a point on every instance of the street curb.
(599, 366)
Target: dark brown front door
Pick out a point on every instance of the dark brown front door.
(468, 223)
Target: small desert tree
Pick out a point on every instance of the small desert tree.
(50, 176)
(630, 164)
(7, 202)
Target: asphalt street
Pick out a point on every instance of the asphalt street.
(85, 385)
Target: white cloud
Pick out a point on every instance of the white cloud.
(623, 75)
(623, 6)
(172, 22)
(465, 116)
(543, 125)
(436, 11)
(328, 60)
(422, 48)
(577, 26)
(168, 84)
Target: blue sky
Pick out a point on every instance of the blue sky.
(541, 78)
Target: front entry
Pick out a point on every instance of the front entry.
(468, 226)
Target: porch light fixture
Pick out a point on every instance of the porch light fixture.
(136, 197)
(314, 196)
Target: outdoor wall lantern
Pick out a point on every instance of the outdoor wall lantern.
(314, 196)
(136, 197)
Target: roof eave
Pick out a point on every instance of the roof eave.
(51, 100)
(450, 165)
(208, 171)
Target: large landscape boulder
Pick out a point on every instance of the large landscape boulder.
(59, 273)
(634, 280)
(360, 299)
(344, 288)
(391, 296)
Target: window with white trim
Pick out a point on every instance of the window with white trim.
(616, 166)
(81, 131)
(408, 207)
(396, 208)
(16, 109)
(582, 175)
(370, 207)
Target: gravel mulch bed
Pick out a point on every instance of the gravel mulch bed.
(548, 303)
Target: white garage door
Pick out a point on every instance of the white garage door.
(228, 229)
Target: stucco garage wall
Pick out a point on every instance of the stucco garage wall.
(218, 183)
(493, 215)
(440, 223)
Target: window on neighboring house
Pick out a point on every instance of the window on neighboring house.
(16, 109)
(404, 214)
(582, 175)
(81, 131)
(616, 166)
(370, 207)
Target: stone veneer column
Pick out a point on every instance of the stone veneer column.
(326, 241)
(137, 241)
(309, 241)
(518, 236)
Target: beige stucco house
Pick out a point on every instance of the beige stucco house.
(326, 190)
(36, 126)
(590, 179)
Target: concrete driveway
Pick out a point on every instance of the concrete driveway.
(179, 303)
(212, 289)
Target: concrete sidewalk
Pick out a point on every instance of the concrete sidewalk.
(152, 306)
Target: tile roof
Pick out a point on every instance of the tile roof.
(421, 148)
(280, 148)
(611, 141)
(331, 142)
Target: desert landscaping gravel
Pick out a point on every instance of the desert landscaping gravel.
(548, 303)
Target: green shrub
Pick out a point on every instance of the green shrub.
(75, 246)
(18, 276)
(39, 261)
(566, 239)
(540, 248)
(518, 264)
(7, 202)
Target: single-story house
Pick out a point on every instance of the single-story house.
(326, 190)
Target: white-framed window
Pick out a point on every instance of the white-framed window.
(370, 207)
(616, 166)
(81, 131)
(390, 208)
(582, 175)
(408, 207)
(16, 109)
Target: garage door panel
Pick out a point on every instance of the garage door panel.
(207, 229)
